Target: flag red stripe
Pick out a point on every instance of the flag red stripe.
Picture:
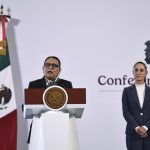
(3, 28)
(8, 131)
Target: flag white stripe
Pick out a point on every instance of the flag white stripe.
(6, 79)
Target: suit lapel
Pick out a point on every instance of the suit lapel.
(43, 83)
(135, 96)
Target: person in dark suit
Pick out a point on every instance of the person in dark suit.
(51, 70)
(136, 110)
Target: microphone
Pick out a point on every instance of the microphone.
(56, 79)
(51, 83)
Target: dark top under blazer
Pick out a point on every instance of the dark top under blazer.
(132, 111)
(41, 83)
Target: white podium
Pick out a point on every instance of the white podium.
(54, 130)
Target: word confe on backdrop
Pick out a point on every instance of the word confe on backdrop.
(124, 80)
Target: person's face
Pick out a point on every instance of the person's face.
(139, 73)
(51, 68)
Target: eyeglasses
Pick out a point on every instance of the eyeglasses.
(139, 70)
(53, 66)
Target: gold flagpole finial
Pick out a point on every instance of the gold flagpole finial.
(1, 10)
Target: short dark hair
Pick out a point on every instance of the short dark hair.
(54, 57)
(140, 62)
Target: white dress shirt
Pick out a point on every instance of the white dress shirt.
(140, 88)
(141, 93)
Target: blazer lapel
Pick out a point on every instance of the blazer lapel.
(135, 96)
(146, 97)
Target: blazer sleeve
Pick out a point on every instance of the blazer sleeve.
(147, 113)
(147, 124)
(126, 111)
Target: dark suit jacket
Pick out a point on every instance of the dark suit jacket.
(41, 83)
(132, 111)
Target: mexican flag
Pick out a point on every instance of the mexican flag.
(8, 111)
